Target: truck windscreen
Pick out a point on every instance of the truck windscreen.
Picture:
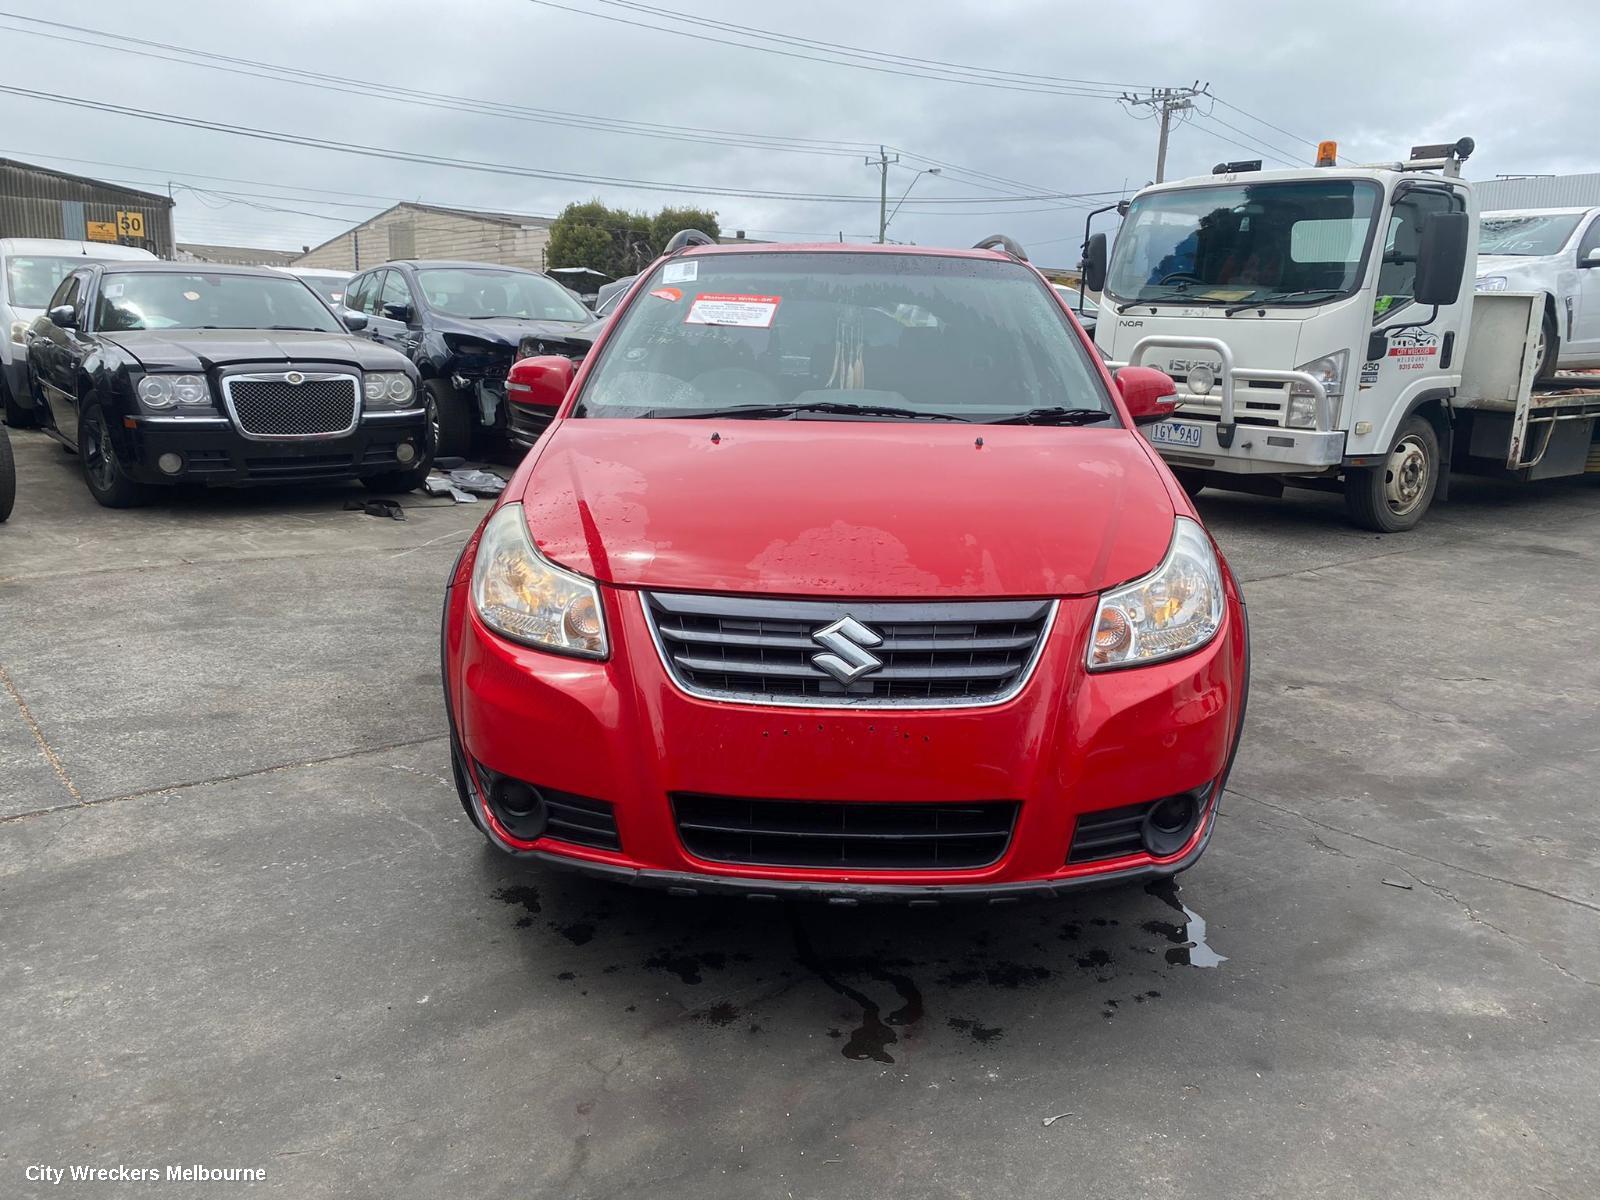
(1294, 242)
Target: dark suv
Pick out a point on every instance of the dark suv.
(463, 324)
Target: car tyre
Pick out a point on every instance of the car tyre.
(1394, 497)
(102, 470)
(1547, 352)
(408, 480)
(8, 476)
(453, 419)
(1192, 482)
(16, 416)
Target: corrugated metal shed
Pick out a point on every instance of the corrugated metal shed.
(1540, 191)
(38, 202)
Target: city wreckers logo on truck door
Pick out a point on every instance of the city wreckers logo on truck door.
(1414, 349)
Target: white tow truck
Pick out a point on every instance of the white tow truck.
(1323, 331)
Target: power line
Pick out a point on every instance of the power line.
(477, 165)
(1268, 124)
(880, 65)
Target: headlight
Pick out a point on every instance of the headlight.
(1491, 283)
(169, 391)
(19, 332)
(519, 594)
(1173, 610)
(387, 389)
(1329, 371)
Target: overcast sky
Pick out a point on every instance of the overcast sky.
(1377, 77)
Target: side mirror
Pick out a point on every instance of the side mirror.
(1441, 258)
(64, 316)
(1094, 263)
(353, 321)
(1591, 259)
(541, 381)
(1150, 394)
(398, 312)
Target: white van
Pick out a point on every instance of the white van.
(1556, 253)
(30, 269)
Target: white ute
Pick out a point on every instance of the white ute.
(1323, 331)
(1555, 253)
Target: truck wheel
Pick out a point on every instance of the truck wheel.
(1548, 350)
(1392, 498)
(453, 418)
(1192, 482)
(102, 469)
(8, 477)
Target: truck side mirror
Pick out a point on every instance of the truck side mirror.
(541, 381)
(1441, 258)
(1094, 263)
(1591, 259)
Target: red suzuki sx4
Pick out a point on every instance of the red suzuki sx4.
(844, 571)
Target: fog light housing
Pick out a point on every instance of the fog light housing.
(170, 463)
(517, 805)
(1170, 823)
(405, 452)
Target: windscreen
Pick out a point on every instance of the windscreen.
(31, 280)
(957, 338)
(1296, 242)
(1529, 234)
(173, 300)
(474, 293)
(329, 287)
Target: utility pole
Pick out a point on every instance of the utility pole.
(1163, 102)
(883, 162)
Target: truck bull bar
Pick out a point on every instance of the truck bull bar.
(1227, 373)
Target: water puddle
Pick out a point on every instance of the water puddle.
(1189, 946)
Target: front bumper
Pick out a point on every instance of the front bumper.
(213, 452)
(1256, 449)
(620, 731)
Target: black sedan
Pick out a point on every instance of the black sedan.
(464, 324)
(160, 373)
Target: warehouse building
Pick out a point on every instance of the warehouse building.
(1539, 191)
(36, 202)
(428, 231)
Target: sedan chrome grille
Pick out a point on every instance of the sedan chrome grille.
(291, 405)
(841, 653)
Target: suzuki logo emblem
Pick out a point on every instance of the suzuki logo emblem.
(295, 378)
(846, 659)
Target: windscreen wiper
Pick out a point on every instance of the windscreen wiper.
(1275, 297)
(1056, 416)
(763, 412)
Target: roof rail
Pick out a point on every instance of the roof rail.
(685, 238)
(1004, 243)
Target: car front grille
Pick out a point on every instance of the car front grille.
(293, 404)
(804, 833)
(929, 655)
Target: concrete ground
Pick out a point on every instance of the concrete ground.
(243, 922)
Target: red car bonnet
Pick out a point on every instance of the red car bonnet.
(829, 508)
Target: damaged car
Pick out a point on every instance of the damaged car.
(463, 324)
(167, 373)
(845, 572)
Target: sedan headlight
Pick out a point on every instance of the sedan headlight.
(1491, 283)
(171, 391)
(387, 389)
(523, 596)
(1329, 371)
(19, 332)
(1171, 611)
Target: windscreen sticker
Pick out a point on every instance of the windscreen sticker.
(191, 295)
(667, 294)
(680, 272)
(744, 312)
(113, 290)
